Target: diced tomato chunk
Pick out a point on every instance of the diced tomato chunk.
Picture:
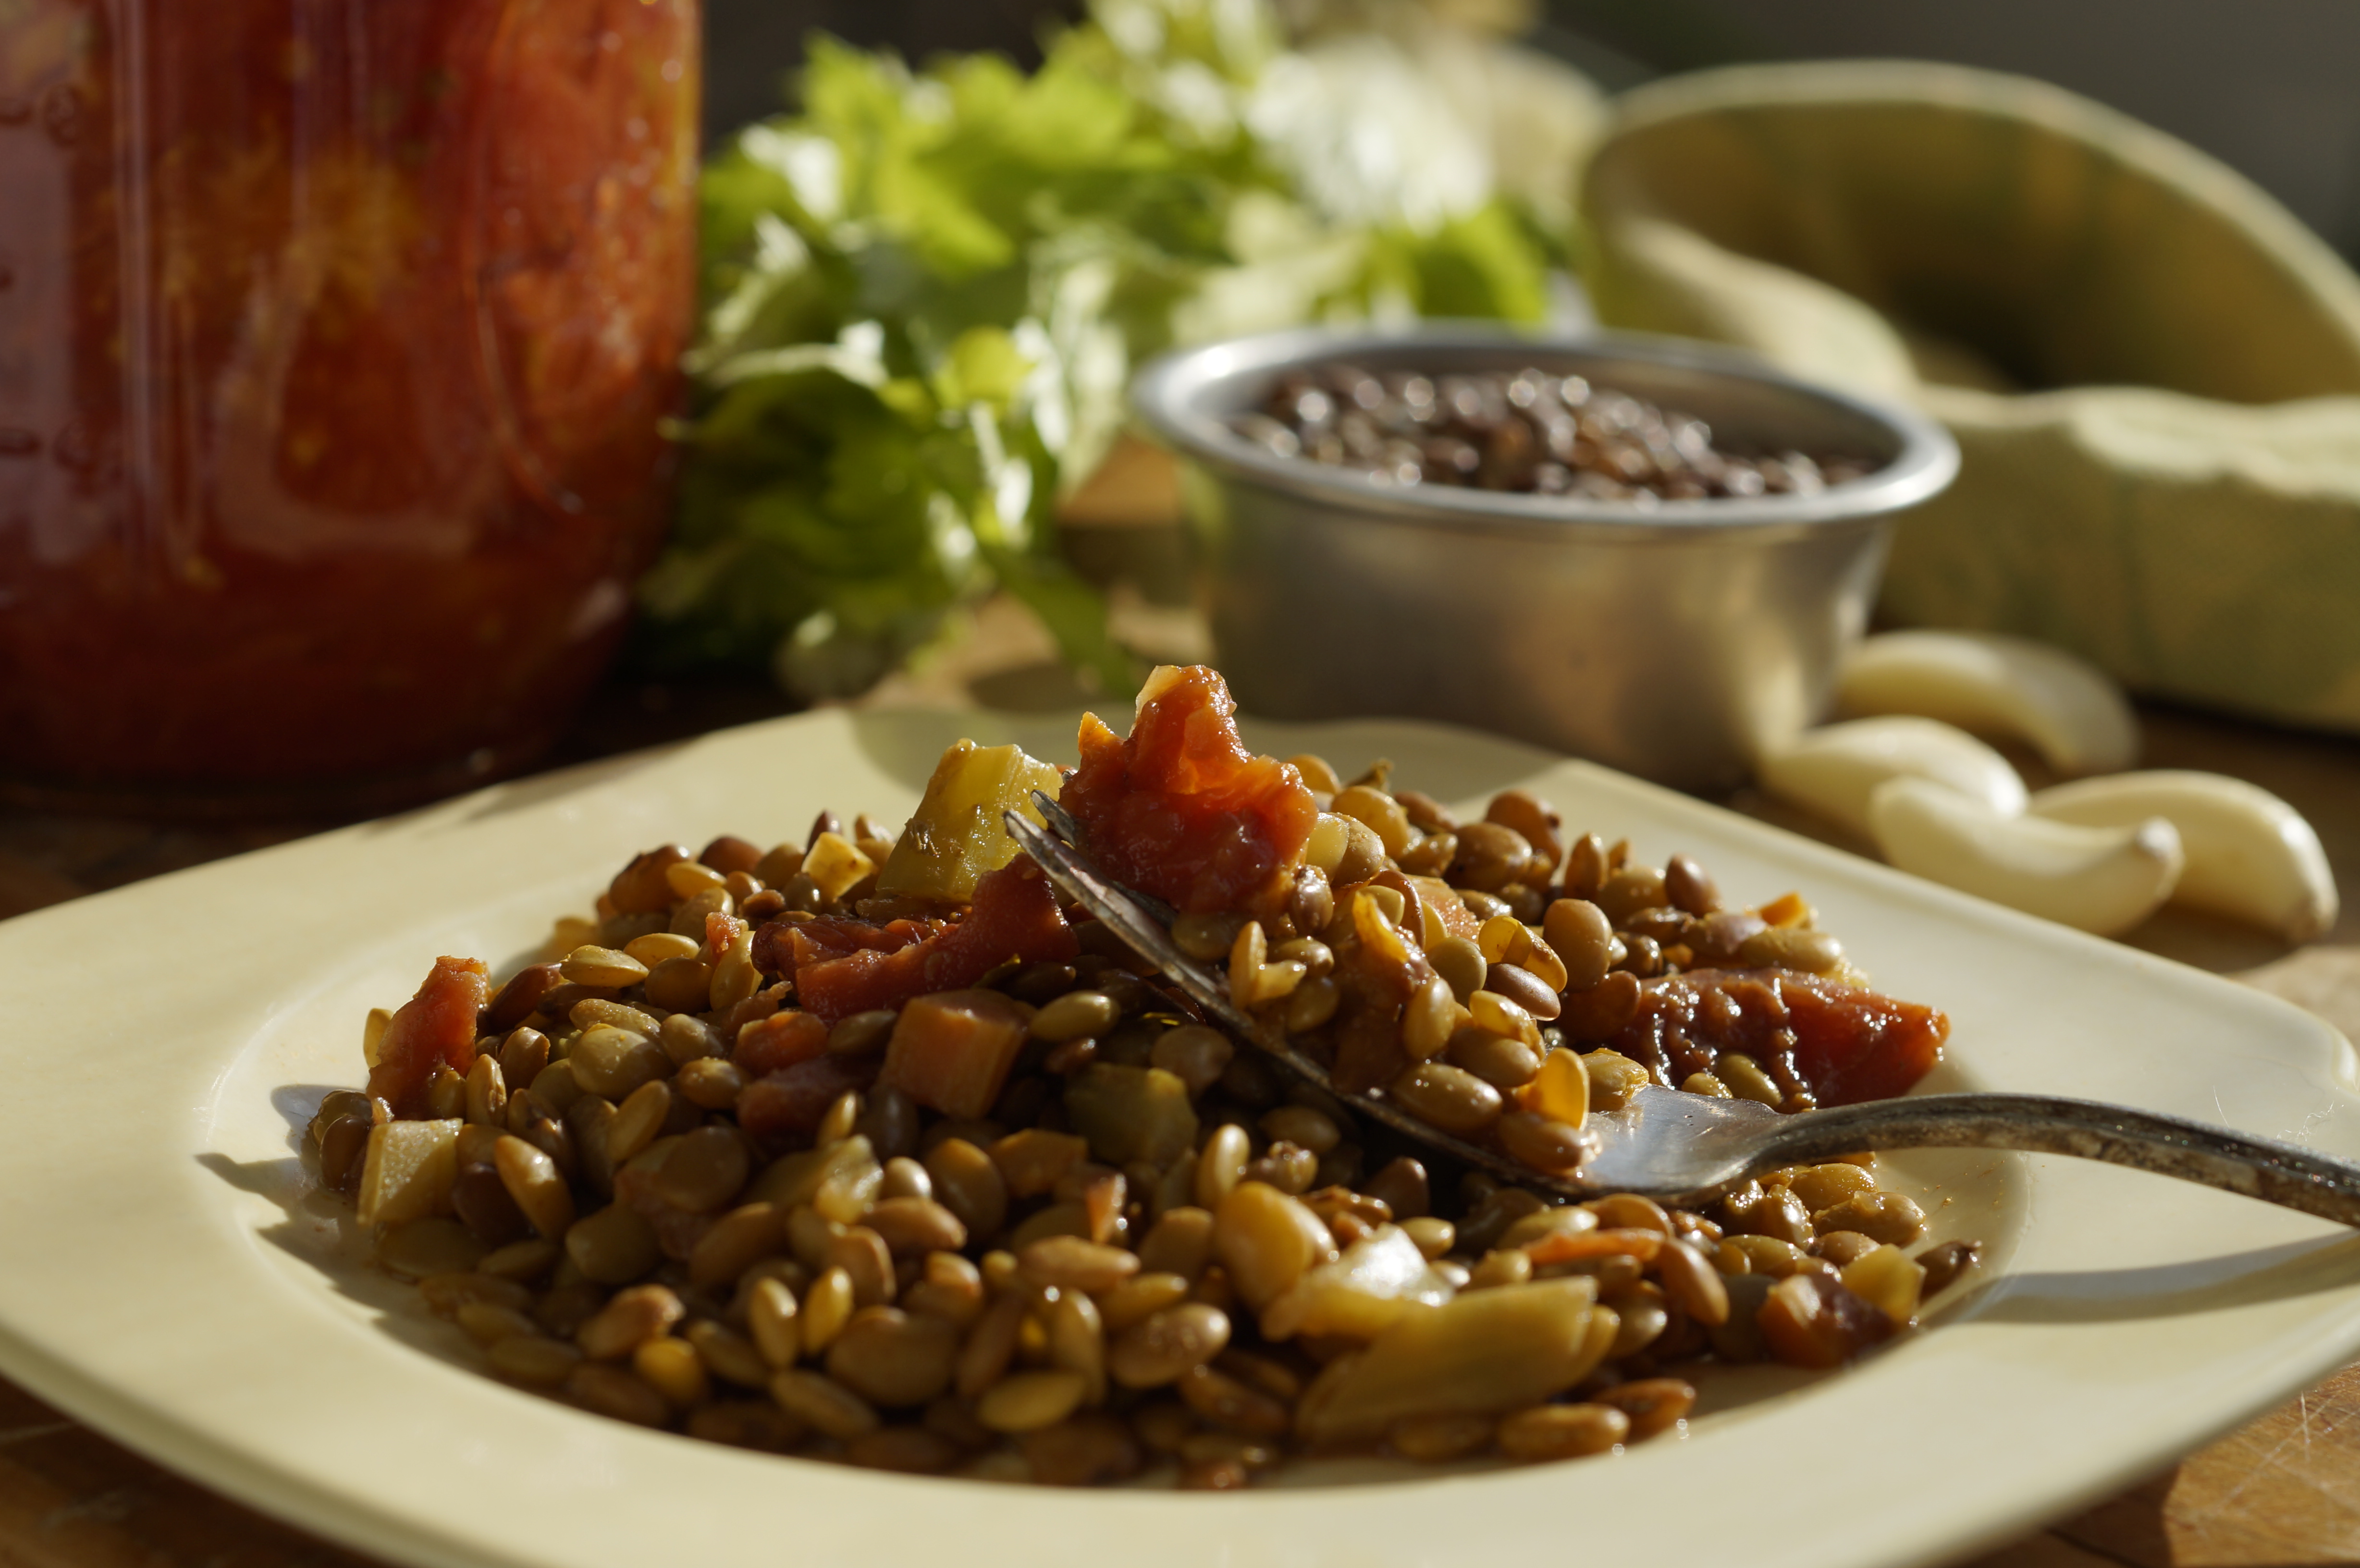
(1852, 1044)
(435, 1029)
(792, 1101)
(783, 946)
(778, 1042)
(1844, 1043)
(1015, 915)
(1181, 809)
(953, 1051)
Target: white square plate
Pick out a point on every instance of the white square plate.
(171, 1278)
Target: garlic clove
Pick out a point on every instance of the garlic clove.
(2251, 856)
(2097, 879)
(2066, 709)
(1832, 770)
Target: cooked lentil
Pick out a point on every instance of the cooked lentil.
(706, 1208)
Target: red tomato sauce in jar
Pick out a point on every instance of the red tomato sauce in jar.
(335, 339)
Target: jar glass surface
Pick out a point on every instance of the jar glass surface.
(336, 338)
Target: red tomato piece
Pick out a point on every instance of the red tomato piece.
(435, 1029)
(778, 1042)
(1015, 915)
(1853, 1044)
(783, 946)
(1844, 1043)
(1181, 809)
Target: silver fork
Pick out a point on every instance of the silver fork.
(1145, 922)
(1684, 1149)
(1687, 1149)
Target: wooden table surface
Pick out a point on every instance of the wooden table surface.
(2284, 1490)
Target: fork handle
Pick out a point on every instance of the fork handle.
(2260, 1168)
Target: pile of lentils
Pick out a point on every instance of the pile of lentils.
(1530, 433)
(1057, 1294)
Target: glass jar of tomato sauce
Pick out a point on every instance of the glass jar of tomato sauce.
(336, 338)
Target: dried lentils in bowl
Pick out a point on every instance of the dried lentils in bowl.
(1526, 431)
(868, 1149)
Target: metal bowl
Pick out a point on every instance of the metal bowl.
(1678, 642)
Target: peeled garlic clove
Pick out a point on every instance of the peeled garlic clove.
(1832, 770)
(2064, 708)
(2098, 880)
(2251, 856)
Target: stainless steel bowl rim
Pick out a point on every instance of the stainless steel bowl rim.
(1170, 396)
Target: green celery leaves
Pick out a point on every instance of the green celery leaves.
(924, 296)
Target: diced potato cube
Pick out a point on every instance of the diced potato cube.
(409, 1171)
(956, 835)
(836, 864)
(1889, 1279)
(953, 1051)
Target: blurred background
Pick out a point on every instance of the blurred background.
(838, 415)
(2264, 85)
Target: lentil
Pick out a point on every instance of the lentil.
(1070, 1263)
(950, 1288)
(1453, 1099)
(1031, 1400)
(1944, 1263)
(1881, 1217)
(893, 1358)
(1221, 1164)
(1503, 1062)
(1541, 1142)
(1841, 1246)
(1140, 1297)
(488, 1325)
(824, 1405)
(542, 1363)
(521, 1260)
(1562, 1431)
(1525, 989)
(1181, 1242)
(641, 1313)
(969, 1182)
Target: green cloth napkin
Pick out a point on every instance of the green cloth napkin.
(2153, 370)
